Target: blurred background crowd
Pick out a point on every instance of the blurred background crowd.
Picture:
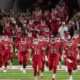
(41, 18)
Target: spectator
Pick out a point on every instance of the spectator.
(63, 28)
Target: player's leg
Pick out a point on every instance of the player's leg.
(5, 62)
(50, 63)
(20, 61)
(55, 65)
(10, 59)
(69, 67)
(41, 68)
(34, 65)
(25, 58)
(75, 66)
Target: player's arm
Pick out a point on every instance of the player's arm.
(63, 55)
(30, 54)
(78, 55)
(11, 47)
(16, 48)
(46, 53)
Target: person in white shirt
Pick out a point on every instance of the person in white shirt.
(63, 28)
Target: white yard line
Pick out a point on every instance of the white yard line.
(30, 67)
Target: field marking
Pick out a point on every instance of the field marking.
(30, 68)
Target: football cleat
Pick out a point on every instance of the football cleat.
(4, 71)
(46, 69)
(24, 71)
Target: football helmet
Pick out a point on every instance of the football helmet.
(5, 38)
(35, 41)
(29, 34)
(76, 35)
(52, 40)
(23, 40)
(69, 42)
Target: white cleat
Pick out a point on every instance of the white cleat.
(24, 71)
(46, 69)
(4, 71)
(71, 78)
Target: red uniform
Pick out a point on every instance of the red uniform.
(6, 51)
(71, 54)
(54, 26)
(29, 39)
(43, 47)
(1, 56)
(53, 56)
(8, 31)
(36, 64)
(22, 52)
(18, 34)
(11, 50)
(78, 46)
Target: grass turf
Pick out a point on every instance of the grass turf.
(18, 75)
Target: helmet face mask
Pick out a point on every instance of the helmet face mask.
(76, 36)
(47, 39)
(30, 22)
(52, 41)
(35, 41)
(5, 38)
(23, 41)
(46, 29)
(41, 39)
(29, 34)
(69, 43)
(57, 39)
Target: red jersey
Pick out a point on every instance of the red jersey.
(6, 47)
(35, 51)
(29, 39)
(53, 50)
(71, 52)
(23, 47)
(78, 44)
(43, 46)
(1, 48)
(8, 31)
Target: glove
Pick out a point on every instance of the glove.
(70, 61)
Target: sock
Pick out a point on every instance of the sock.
(74, 71)
(70, 78)
(35, 77)
(41, 74)
(54, 75)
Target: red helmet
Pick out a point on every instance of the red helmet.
(76, 35)
(52, 40)
(23, 40)
(69, 42)
(66, 34)
(29, 34)
(35, 40)
(57, 38)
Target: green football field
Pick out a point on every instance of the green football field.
(18, 75)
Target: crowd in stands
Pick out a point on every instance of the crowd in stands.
(40, 20)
